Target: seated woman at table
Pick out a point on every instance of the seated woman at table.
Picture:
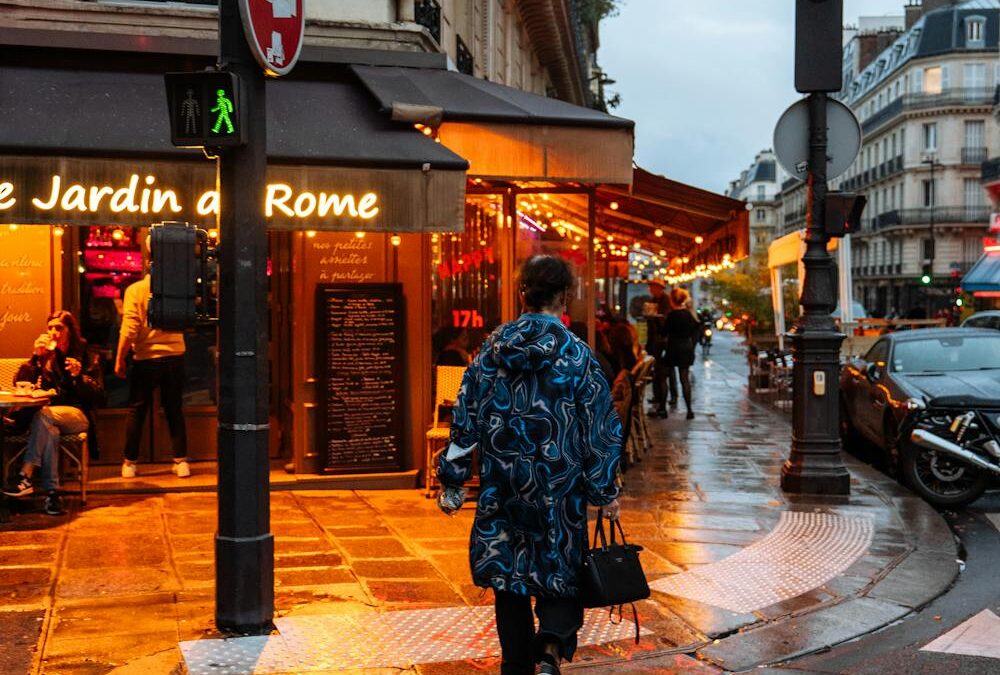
(57, 365)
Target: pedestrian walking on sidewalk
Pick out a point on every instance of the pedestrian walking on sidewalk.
(158, 362)
(655, 313)
(537, 406)
(681, 327)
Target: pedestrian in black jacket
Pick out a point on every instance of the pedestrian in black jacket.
(57, 365)
(681, 327)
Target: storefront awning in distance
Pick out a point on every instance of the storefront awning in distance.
(700, 225)
(984, 277)
(323, 137)
(506, 133)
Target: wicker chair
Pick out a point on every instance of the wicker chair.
(449, 381)
(71, 446)
(642, 375)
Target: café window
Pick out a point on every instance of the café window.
(109, 260)
(465, 278)
(556, 224)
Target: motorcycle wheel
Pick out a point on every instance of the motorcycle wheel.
(941, 480)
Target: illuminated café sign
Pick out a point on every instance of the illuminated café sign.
(145, 196)
(72, 191)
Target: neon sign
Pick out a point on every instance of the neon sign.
(144, 196)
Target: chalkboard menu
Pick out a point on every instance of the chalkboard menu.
(360, 346)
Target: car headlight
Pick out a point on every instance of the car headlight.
(915, 404)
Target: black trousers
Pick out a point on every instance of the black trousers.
(685, 384)
(167, 373)
(521, 647)
(661, 372)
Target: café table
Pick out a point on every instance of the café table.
(9, 401)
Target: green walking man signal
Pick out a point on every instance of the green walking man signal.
(204, 109)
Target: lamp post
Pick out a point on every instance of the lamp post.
(932, 161)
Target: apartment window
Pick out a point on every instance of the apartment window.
(926, 249)
(892, 198)
(930, 137)
(894, 153)
(971, 249)
(974, 75)
(975, 134)
(761, 193)
(427, 13)
(761, 215)
(463, 57)
(928, 187)
(974, 194)
(974, 31)
(932, 80)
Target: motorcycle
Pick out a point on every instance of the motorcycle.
(705, 338)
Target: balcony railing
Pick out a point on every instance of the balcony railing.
(973, 155)
(795, 216)
(991, 170)
(942, 215)
(427, 13)
(974, 96)
(463, 57)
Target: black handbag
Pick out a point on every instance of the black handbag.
(612, 575)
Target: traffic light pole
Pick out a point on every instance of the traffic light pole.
(244, 545)
(814, 465)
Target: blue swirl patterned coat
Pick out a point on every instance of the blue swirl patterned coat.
(537, 405)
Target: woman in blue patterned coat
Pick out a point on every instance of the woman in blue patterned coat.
(537, 406)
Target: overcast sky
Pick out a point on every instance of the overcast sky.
(706, 80)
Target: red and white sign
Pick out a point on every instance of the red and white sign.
(275, 30)
(995, 222)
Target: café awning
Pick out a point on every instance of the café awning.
(984, 277)
(506, 134)
(684, 221)
(326, 138)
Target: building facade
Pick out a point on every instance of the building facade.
(759, 186)
(924, 103)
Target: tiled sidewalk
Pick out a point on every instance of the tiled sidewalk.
(122, 582)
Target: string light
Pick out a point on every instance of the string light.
(57, 231)
(359, 234)
(395, 240)
(614, 206)
(658, 232)
(699, 239)
(310, 233)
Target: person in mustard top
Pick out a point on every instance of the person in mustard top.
(158, 361)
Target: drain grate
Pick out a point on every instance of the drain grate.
(803, 552)
(385, 640)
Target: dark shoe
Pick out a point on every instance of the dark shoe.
(53, 505)
(18, 486)
(673, 403)
(690, 415)
(662, 414)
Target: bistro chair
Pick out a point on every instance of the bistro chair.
(642, 375)
(449, 381)
(71, 446)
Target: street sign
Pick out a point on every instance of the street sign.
(995, 222)
(818, 45)
(275, 30)
(791, 138)
(204, 109)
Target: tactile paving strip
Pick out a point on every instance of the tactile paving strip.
(386, 640)
(803, 552)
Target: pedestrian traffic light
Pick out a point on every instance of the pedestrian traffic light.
(179, 283)
(927, 277)
(818, 45)
(843, 213)
(204, 109)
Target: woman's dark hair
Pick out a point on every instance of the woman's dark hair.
(543, 277)
(76, 344)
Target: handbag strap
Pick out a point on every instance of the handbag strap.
(616, 524)
(620, 608)
(599, 530)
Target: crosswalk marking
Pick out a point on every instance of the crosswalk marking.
(979, 636)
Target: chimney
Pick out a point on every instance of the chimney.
(931, 5)
(867, 49)
(885, 38)
(913, 12)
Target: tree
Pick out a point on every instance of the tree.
(747, 288)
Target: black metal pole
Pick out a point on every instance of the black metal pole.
(930, 231)
(814, 465)
(244, 545)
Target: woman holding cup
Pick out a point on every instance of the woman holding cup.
(57, 366)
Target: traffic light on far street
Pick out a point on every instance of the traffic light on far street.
(843, 213)
(177, 274)
(204, 109)
(818, 45)
(927, 277)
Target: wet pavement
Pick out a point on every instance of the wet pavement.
(118, 585)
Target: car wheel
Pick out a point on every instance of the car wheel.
(940, 479)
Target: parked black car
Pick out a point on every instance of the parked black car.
(930, 399)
